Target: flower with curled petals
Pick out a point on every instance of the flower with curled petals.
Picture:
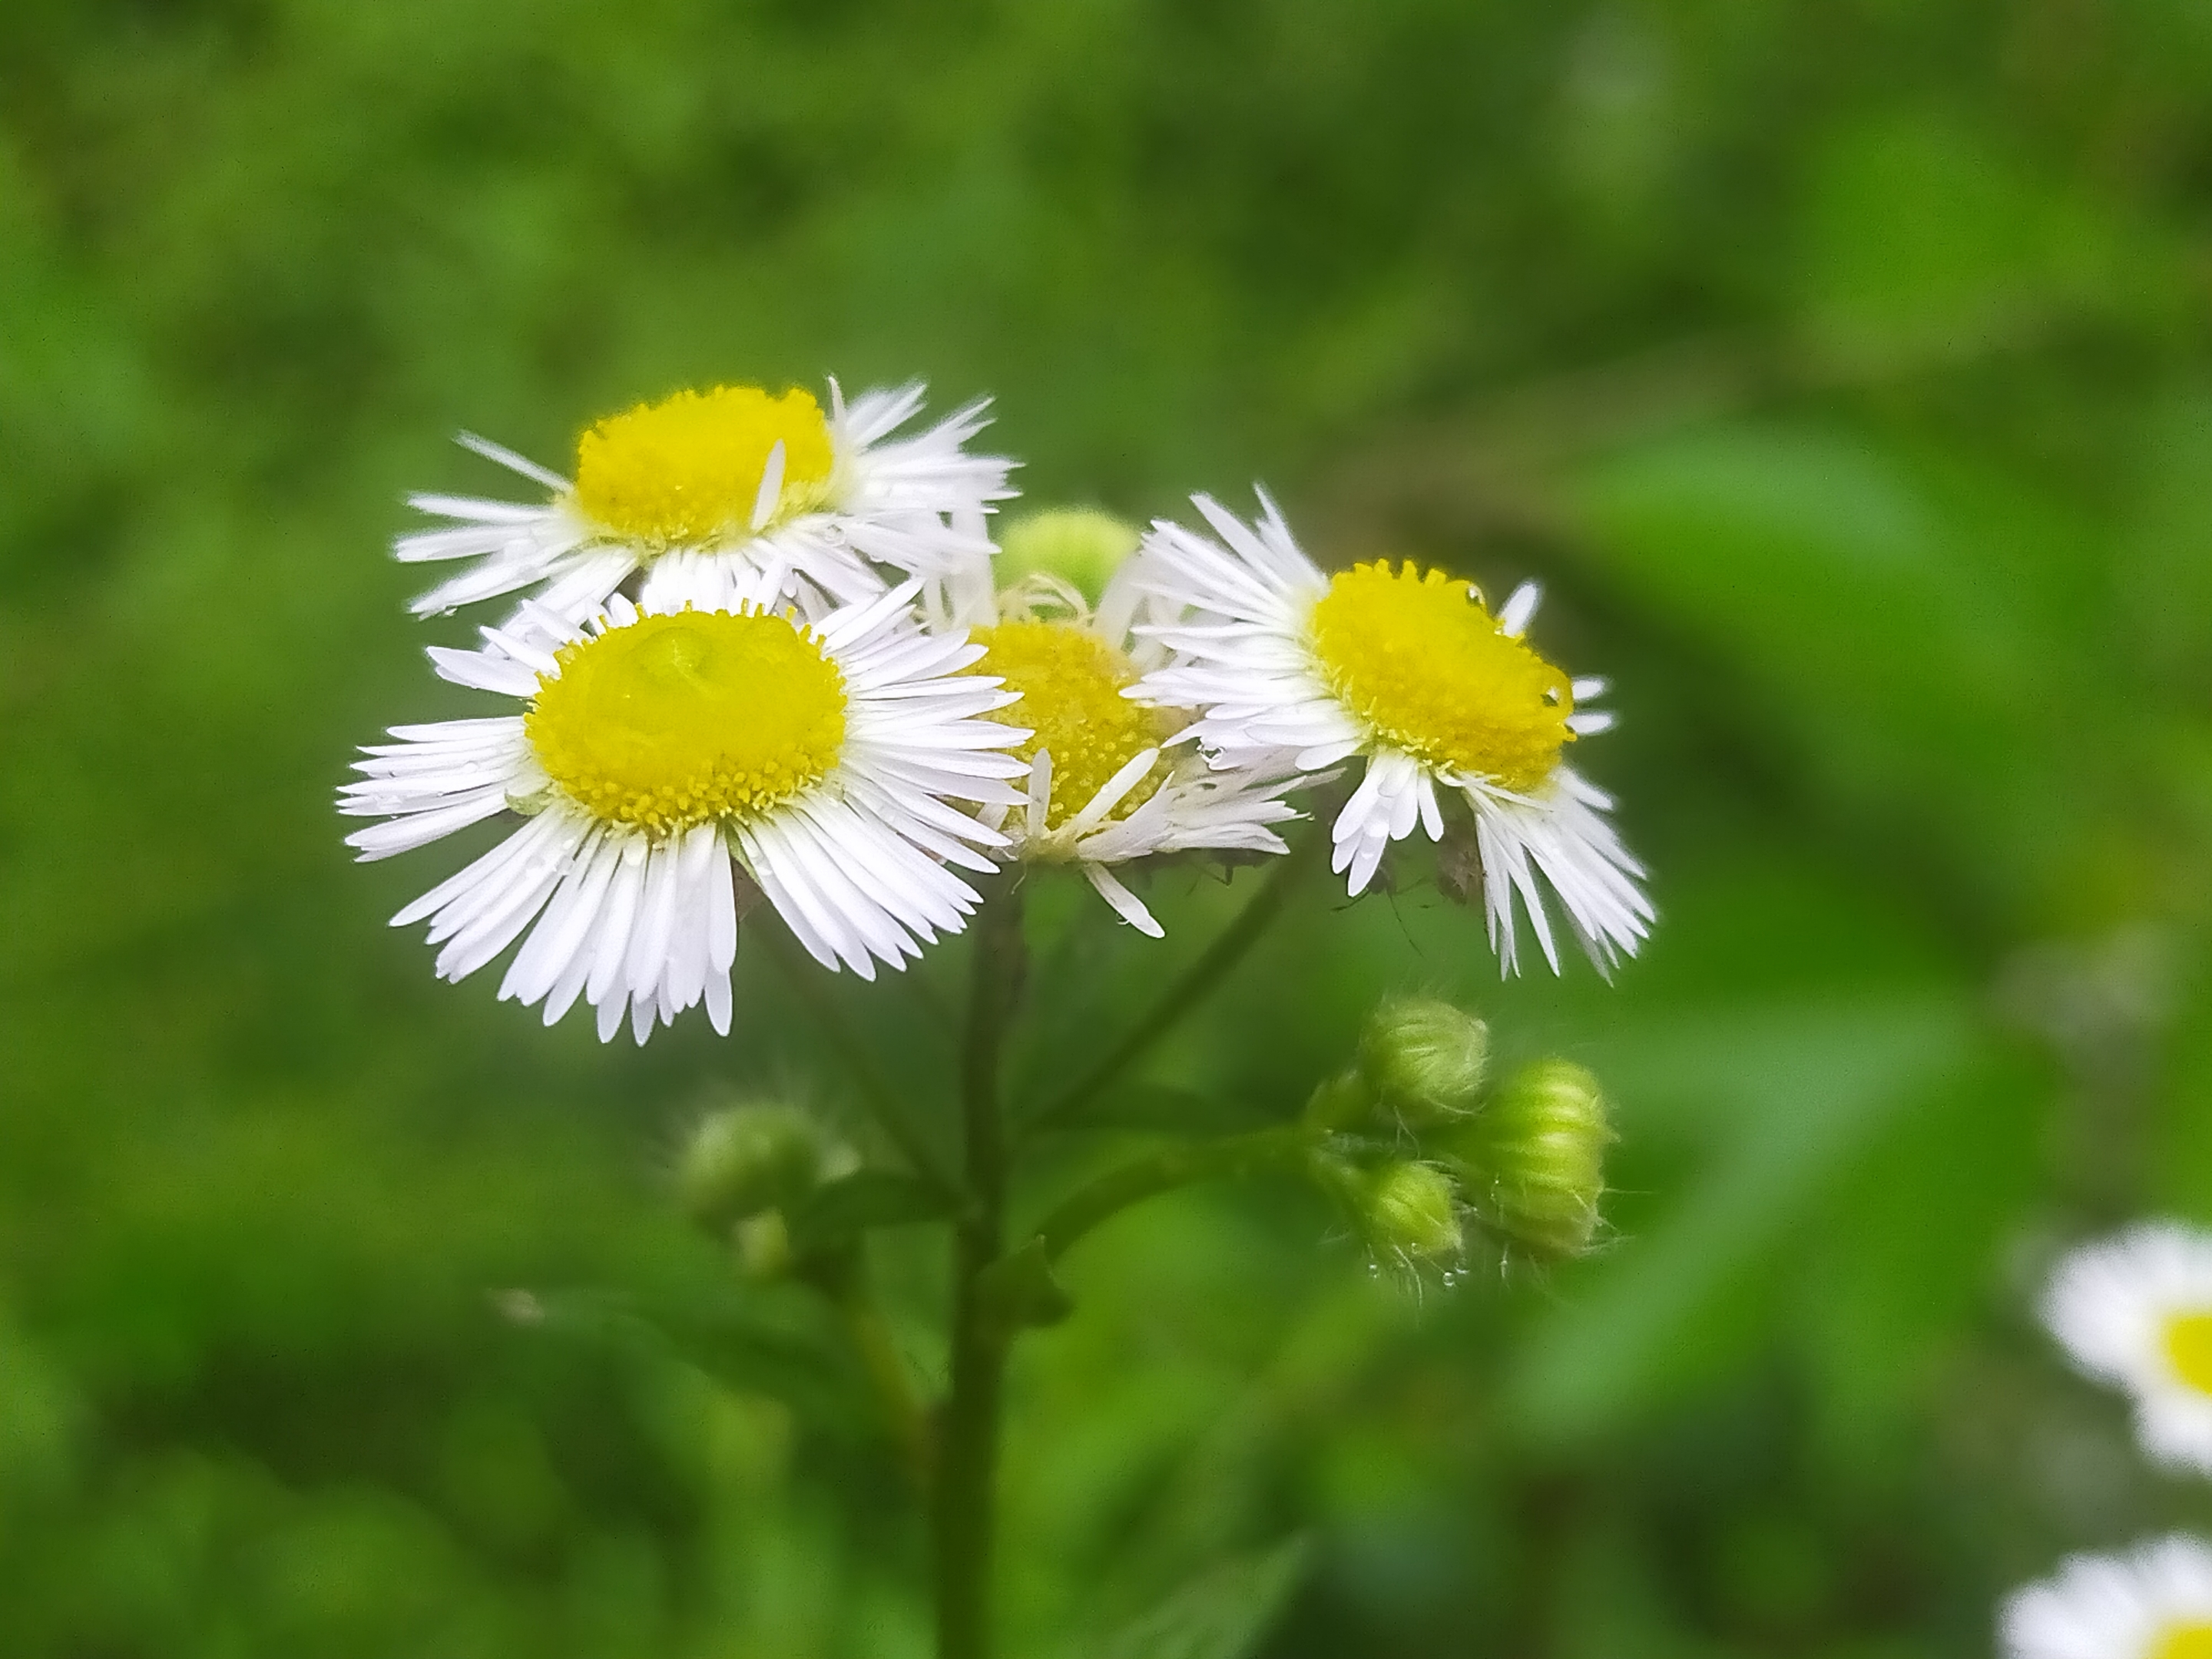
(1106, 787)
(1409, 672)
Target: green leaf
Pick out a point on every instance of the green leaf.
(1223, 1614)
(840, 1209)
(1020, 1291)
(774, 1340)
(1800, 1095)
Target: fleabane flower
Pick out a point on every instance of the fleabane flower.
(660, 757)
(2154, 1602)
(1105, 786)
(707, 495)
(1409, 672)
(2136, 1311)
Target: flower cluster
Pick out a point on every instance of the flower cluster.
(2134, 1312)
(1427, 1152)
(763, 651)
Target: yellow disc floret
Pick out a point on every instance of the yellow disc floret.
(2192, 1641)
(688, 469)
(1425, 669)
(1071, 683)
(2189, 1346)
(675, 720)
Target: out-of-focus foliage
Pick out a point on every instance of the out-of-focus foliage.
(1844, 369)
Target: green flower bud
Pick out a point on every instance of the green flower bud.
(745, 1159)
(1532, 1163)
(1410, 1213)
(1425, 1060)
(1080, 545)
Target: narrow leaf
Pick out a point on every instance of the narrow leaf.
(1223, 1614)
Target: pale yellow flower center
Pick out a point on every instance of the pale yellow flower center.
(1071, 680)
(2189, 1346)
(675, 720)
(688, 469)
(1425, 668)
(2184, 1642)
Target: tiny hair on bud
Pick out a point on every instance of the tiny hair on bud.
(1425, 1060)
(1532, 1163)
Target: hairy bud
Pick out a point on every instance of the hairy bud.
(1425, 1060)
(1410, 1213)
(745, 1159)
(1532, 1163)
(1080, 545)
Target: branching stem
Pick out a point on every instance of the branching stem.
(1192, 986)
(1288, 1147)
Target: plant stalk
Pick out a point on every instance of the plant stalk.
(1193, 985)
(1288, 1147)
(965, 1496)
(879, 1357)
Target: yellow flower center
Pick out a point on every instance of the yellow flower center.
(2189, 1346)
(1070, 681)
(1422, 666)
(675, 720)
(689, 468)
(2185, 1642)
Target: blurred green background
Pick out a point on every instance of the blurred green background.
(1845, 370)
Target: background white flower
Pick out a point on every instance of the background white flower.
(2154, 1602)
(708, 493)
(657, 751)
(1410, 672)
(2136, 1311)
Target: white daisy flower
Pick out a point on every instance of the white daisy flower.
(2136, 1311)
(706, 492)
(1104, 788)
(2154, 1602)
(662, 755)
(1410, 672)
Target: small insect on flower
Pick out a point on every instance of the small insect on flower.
(1104, 788)
(2136, 1311)
(2154, 1602)
(1411, 672)
(706, 492)
(662, 754)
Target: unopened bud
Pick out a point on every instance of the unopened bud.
(745, 1159)
(1425, 1060)
(1410, 1213)
(1080, 545)
(1532, 1163)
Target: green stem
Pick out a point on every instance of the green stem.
(1191, 987)
(887, 1374)
(968, 1447)
(1184, 1165)
(813, 989)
